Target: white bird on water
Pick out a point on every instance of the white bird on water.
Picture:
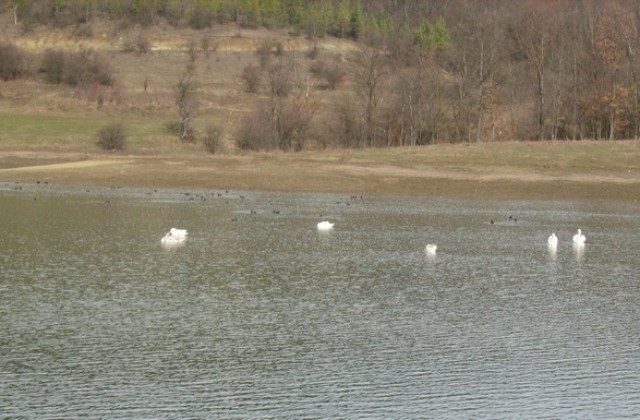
(174, 236)
(578, 238)
(325, 226)
(552, 242)
(430, 249)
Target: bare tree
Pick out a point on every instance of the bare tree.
(534, 41)
(294, 122)
(632, 45)
(610, 43)
(344, 125)
(188, 104)
(368, 70)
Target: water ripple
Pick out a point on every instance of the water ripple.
(261, 317)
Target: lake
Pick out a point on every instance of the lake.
(259, 315)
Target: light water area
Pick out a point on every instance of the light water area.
(260, 315)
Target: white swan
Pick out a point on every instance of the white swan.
(430, 249)
(325, 226)
(552, 242)
(174, 237)
(578, 238)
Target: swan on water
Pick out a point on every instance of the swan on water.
(552, 242)
(430, 249)
(579, 238)
(325, 225)
(174, 236)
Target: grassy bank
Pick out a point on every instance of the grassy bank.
(63, 150)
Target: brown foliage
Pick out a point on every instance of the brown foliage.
(112, 137)
(13, 62)
(333, 72)
(280, 79)
(252, 75)
(293, 123)
(212, 138)
(547, 69)
(255, 132)
(81, 68)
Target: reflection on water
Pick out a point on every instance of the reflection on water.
(260, 315)
(578, 249)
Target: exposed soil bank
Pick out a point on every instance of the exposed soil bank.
(289, 172)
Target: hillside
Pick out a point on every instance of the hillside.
(49, 131)
(145, 82)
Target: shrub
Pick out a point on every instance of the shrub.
(32, 12)
(280, 80)
(53, 65)
(83, 31)
(143, 45)
(137, 43)
(88, 66)
(62, 19)
(213, 135)
(264, 51)
(251, 76)
(256, 132)
(74, 69)
(333, 72)
(12, 62)
(294, 122)
(313, 52)
(201, 18)
(112, 137)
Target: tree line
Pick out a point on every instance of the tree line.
(344, 18)
(424, 71)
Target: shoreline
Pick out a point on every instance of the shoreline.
(304, 173)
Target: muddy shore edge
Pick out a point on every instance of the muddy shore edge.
(274, 173)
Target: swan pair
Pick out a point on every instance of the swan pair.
(174, 237)
(578, 239)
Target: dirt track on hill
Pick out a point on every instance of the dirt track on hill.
(274, 173)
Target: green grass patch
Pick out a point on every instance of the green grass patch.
(36, 132)
(79, 134)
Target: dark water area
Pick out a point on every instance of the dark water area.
(259, 315)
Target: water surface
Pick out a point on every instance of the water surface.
(259, 315)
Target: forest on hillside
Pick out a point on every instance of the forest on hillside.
(425, 71)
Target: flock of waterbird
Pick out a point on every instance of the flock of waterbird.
(177, 236)
(552, 242)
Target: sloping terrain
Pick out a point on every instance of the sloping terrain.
(48, 132)
(146, 77)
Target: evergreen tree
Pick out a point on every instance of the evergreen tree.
(356, 21)
(294, 11)
(342, 19)
(432, 37)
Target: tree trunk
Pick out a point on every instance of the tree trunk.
(612, 116)
(481, 96)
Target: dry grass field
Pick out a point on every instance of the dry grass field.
(49, 133)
